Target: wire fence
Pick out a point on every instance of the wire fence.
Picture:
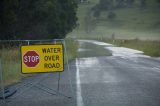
(10, 61)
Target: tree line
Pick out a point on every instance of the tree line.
(111, 5)
(36, 19)
(114, 4)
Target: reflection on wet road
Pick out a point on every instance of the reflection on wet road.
(127, 78)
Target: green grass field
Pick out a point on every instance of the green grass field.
(130, 23)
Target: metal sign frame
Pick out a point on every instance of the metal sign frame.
(37, 83)
(40, 71)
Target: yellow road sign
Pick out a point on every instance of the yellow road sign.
(42, 58)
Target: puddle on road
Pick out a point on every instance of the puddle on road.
(89, 67)
(96, 42)
(125, 52)
(83, 50)
(88, 62)
(90, 49)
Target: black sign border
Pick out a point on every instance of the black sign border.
(41, 45)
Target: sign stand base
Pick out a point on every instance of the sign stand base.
(43, 88)
(7, 93)
(50, 90)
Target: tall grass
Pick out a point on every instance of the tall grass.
(11, 64)
(71, 46)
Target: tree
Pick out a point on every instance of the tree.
(67, 16)
(143, 4)
(120, 3)
(47, 18)
(8, 18)
(42, 19)
(158, 1)
(106, 5)
(111, 16)
(130, 3)
(97, 14)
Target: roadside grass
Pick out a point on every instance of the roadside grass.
(11, 61)
(151, 48)
(72, 47)
(11, 66)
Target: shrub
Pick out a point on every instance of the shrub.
(111, 16)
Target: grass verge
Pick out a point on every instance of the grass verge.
(11, 65)
(71, 46)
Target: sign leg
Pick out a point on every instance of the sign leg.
(2, 85)
(59, 75)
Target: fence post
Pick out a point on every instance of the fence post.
(28, 42)
(2, 84)
(68, 68)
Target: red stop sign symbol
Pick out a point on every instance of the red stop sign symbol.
(31, 58)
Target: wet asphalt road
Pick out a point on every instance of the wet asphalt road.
(114, 81)
(97, 80)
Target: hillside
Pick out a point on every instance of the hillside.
(129, 23)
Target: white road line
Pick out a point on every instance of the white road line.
(79, 96)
